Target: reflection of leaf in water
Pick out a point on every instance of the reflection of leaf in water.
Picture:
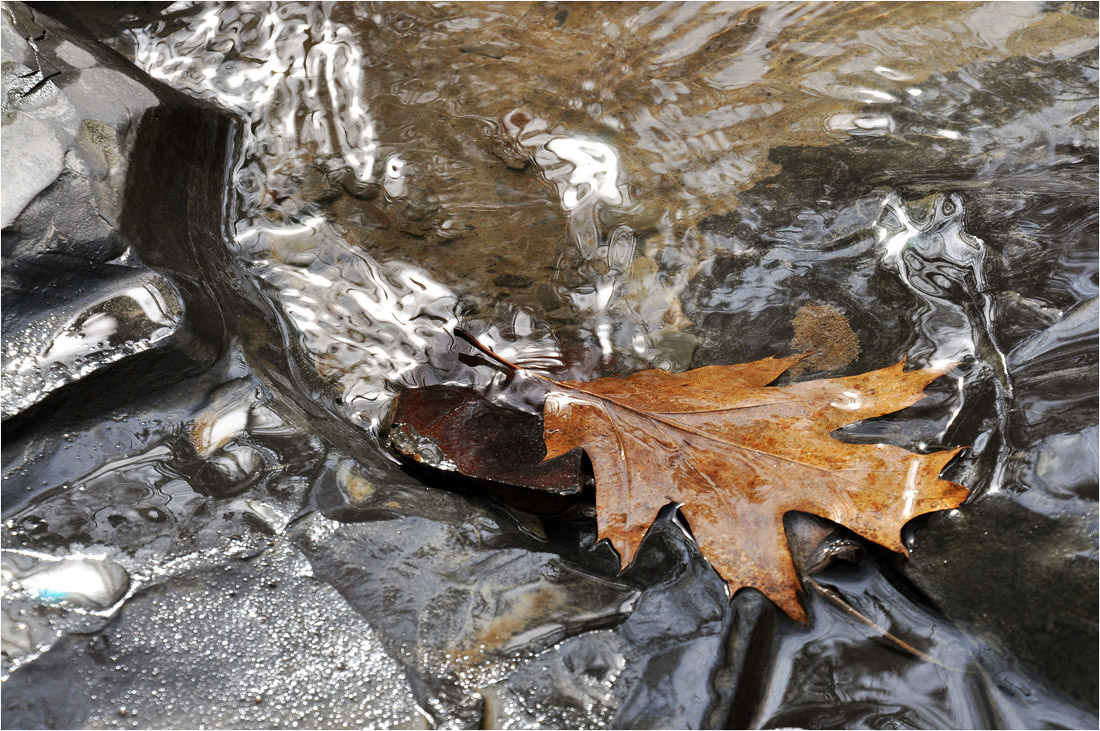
(737, 455)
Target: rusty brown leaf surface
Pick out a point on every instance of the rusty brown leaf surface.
(737, 455)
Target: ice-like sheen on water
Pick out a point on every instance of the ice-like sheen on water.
(944, 266)
(365, 325)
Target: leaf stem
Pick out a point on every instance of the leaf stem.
(484, 350)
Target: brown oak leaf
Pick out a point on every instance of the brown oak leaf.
(736, 455)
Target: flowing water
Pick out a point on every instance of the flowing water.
(601, 188)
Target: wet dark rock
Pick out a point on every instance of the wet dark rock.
(741, 682)
(1055, 372)
(569, 686)
(513, 634)
(885, 685)
(969, 560)
(66, 447)
(126, 312)
(249, 643)
(970, 564)
(147, 497)
(485, 595)
(674, 639)
(77, 303)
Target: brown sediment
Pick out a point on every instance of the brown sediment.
(823, 333)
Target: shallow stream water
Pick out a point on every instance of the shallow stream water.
(594, 189)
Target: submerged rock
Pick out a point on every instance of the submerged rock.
(941, 677)
(970, 560)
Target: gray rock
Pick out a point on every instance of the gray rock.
(53, 84)
(75, 302)
(74, 55)
(33, 157)
(108, 96)
(255, 643)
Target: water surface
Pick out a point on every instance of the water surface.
(599, 188)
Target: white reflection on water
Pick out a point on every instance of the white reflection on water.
(586, 173)
(296, 76)
(595, 173)
(943, 265)
(365, 324)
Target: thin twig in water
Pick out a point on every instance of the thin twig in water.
(841, 602)
(469, 338)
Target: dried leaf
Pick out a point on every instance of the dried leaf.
(460, 430)
(737, 455)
